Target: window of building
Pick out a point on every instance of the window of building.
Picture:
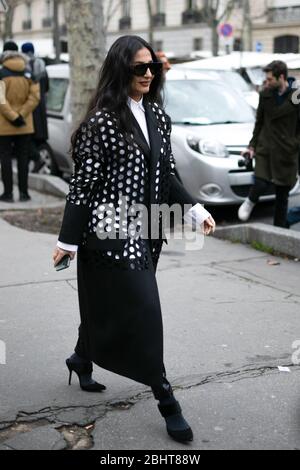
(198, 44)
(238, 44)
(284, 14)
(47, 20)
(126, 8)
(191, 4)
(28, 13)
(192, 13)
(28, 7)
(286, 44)
(125, 20)
(158, 45)
(159, 16)
(64, 46)
(160, 6)
(48, 8)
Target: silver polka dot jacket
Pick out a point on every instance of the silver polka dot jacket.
(115, 174)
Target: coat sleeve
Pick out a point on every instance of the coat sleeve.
(88, 155)
(258, 124)
(2, 92)
(178, 193)
(5, 107)
(32, 100)
(298, 128)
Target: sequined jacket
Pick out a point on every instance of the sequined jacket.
(108, 169)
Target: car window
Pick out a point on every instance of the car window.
(236, 81)
(205, 102)
(56, 94)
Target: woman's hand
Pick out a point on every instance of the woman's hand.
(209, 226)
(59, 254)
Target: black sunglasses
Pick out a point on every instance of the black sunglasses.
(140, 69)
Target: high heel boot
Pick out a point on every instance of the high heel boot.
(84, 371)
(170, 409)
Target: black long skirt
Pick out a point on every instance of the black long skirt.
(121, 323)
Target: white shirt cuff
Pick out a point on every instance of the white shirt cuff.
(196, 215)
(66, 246)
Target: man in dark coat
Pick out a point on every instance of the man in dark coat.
(275, 143)
(39, 73)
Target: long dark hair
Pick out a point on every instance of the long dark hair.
(114, 82)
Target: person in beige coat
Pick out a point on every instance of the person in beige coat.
(19, 96)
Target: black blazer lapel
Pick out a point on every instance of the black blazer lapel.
(155, 144)
(154, 136)
(140, 138)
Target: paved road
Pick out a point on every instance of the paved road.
(230, 320)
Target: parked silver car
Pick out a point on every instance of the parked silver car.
(211, 126)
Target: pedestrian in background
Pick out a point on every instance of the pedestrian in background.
(16, 122)
(39, 75)
(164, 59)
(275, 143)
(122, 152)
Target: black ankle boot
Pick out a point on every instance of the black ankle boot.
(7, 197)
(170, 409)
(24, 197)
(84, 371)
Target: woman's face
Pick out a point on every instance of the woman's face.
(141, 85)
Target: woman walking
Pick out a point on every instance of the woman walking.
(123, 158)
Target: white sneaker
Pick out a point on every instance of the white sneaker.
(245, 210)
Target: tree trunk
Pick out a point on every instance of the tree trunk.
(7, 32)
(247, 26)
(150, 23)
(86, 45)
(56, 31)
(215, 37)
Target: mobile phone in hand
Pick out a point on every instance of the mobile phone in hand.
(63, 263)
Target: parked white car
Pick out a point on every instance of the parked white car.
(212, 124)
(230, 77)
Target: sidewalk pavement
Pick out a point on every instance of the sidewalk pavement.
(230, 319)
(38, 200)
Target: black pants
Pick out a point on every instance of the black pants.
(15, 146)
(281, 203)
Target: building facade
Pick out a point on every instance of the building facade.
(275, 25)
(179, 26)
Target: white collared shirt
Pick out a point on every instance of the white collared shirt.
(138, 110)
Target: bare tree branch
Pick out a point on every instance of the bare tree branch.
(8, 16)
(213, 17)
(112, 8)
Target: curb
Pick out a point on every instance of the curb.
(281, 240)
(47, 184)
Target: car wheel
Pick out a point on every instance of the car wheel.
(49, 166)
